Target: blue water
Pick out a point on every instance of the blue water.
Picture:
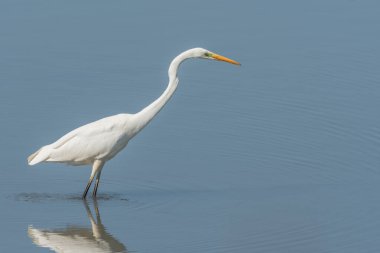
(278, 155)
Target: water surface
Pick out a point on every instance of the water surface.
(279, 155)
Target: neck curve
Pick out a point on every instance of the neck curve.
(146, 115)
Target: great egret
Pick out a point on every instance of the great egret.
(99, 141)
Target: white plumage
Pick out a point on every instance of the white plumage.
(81, 146)
(99, 141)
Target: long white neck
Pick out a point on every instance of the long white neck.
(147, 114)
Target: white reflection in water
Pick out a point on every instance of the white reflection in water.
(76, 238)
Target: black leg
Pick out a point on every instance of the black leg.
(96, 184)
(97, 167)
(88, 186)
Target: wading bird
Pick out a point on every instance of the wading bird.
(99, 141)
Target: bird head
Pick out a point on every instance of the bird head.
(206, 54)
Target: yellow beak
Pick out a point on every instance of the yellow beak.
(222, 58)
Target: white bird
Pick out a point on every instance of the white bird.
(99, 141)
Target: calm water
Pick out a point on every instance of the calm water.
(279, 155)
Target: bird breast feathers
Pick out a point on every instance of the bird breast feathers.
(95, 140)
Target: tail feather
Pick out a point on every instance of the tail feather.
(39, 156)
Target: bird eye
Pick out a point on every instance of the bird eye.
(207, 54)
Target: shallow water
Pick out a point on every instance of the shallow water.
(279, 155)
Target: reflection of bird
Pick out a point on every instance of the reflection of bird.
(99, 141)
(78, 239)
